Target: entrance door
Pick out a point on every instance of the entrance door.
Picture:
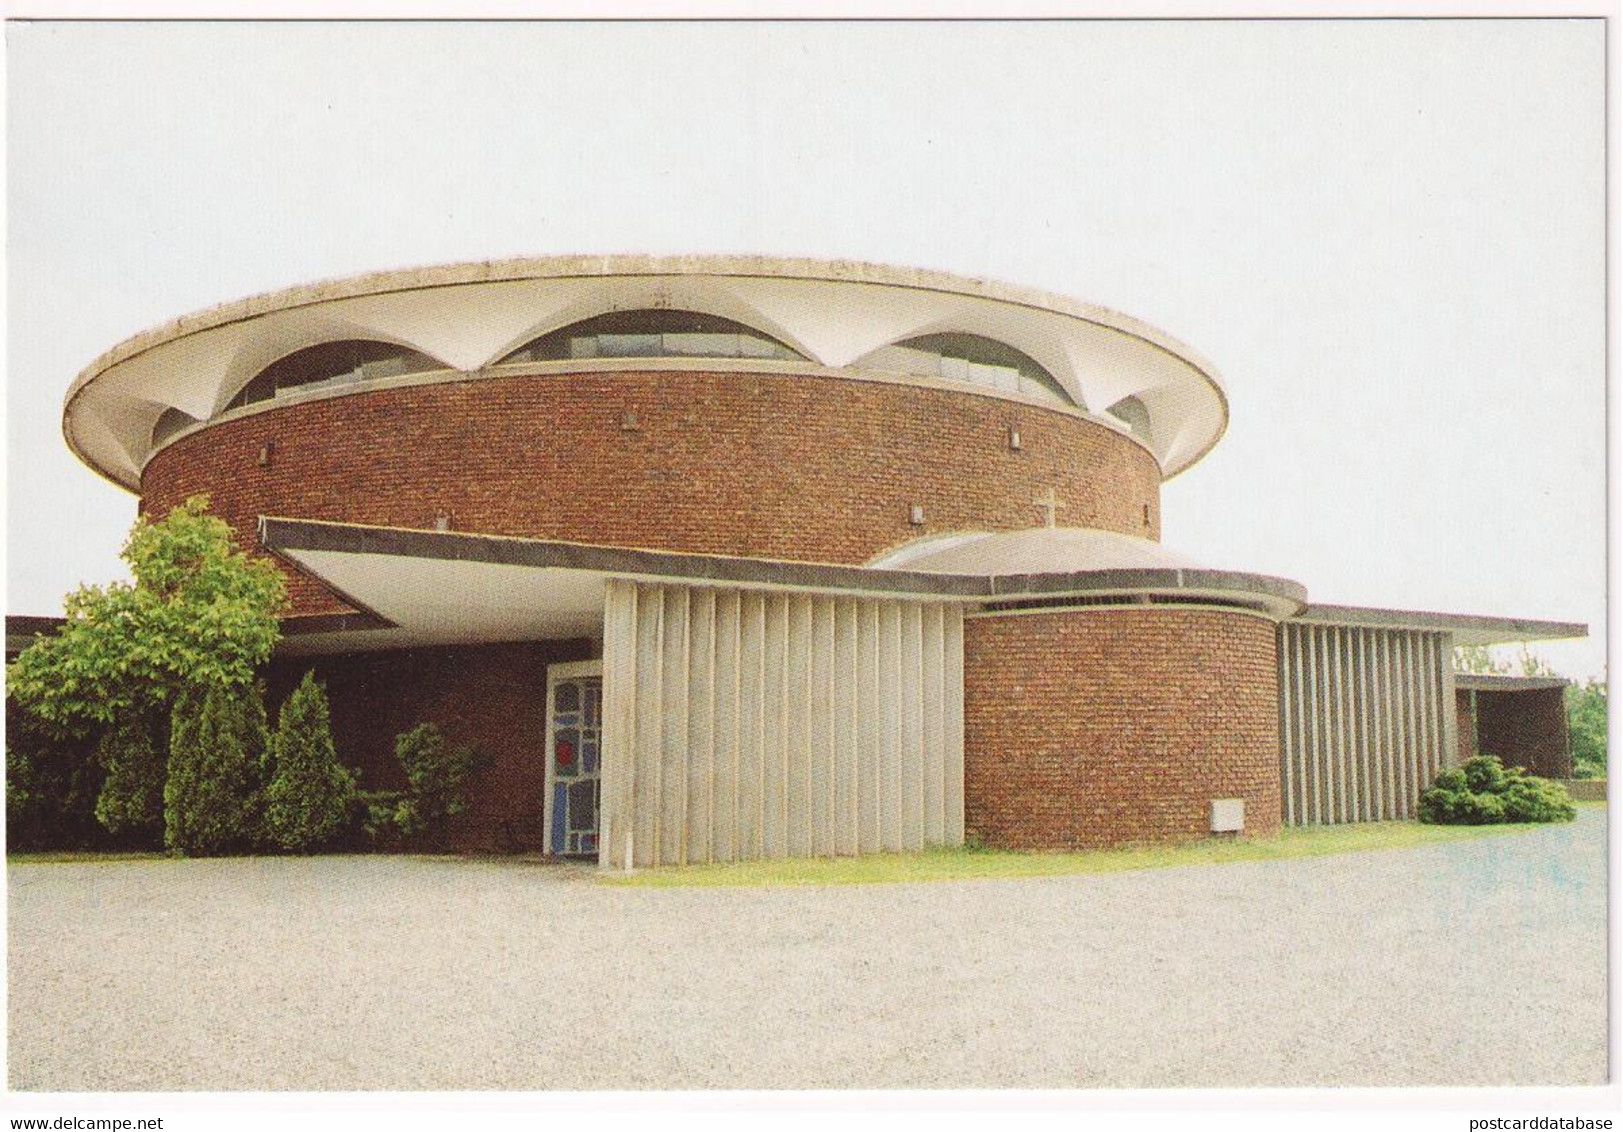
(574, 745)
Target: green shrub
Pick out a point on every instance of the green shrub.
(436, 774)
(213, 800)
(1586, 723)
(380, 812)
(260, 764)
(1483, 792)
(1531, 799)
(131, 798)
(1484, 774)
(311, 794)
(52, 781)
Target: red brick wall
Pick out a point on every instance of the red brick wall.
(1465, 730)
(1095, 728)
(784, 466)
(490, 696)
(1525, 728)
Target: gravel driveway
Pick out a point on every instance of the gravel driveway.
(1473, 963)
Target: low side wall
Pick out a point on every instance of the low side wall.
(1586, 789)
(1465, 728)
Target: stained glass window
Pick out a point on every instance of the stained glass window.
(574, 749)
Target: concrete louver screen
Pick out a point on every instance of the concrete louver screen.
(742, 725)
(1365, 721)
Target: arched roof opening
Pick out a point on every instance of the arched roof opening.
(835, 315)
(170, 422)
(971, 358)
(1131, 412)
(652, 334)
(330, 364)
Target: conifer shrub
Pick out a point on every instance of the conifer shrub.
(52, 781)
(131, 798)
(1484, 774)
(213, 795)
(1484, 792)
(1528, 798)
(260, 765)
(311, 795)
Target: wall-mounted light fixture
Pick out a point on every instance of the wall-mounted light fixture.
(916, 515)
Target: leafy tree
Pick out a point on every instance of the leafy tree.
(1531, 664)
(1478, 660)
(1586, 725)
(213, 798)
(199, 612)
(311, 794)
(131, 798)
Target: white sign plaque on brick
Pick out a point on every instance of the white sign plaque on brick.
(1228, 815)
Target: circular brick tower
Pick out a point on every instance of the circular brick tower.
(745, 409)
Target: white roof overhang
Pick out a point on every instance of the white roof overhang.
(468, 316)
(1479, 682)
(1466, 628)
(420, 588)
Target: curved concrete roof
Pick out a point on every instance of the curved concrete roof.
(1039, 550)
(1030, 563)
(467, 316)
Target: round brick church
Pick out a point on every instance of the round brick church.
(728, 558)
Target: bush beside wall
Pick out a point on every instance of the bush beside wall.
(1484, 792)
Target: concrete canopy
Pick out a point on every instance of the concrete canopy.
(1467, 628)
(1480, 682)
(469, 316)
(1035, 551)
(439, 588)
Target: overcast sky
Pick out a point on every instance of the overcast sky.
(1387, 236)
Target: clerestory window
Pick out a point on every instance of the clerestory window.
(652, 334)
(969, 358)
(1131, 412)
(330, 364)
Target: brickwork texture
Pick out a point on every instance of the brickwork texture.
(490, 696)
(1096, 728)
(1526, 728)
(1464, 727)
(777, 466)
